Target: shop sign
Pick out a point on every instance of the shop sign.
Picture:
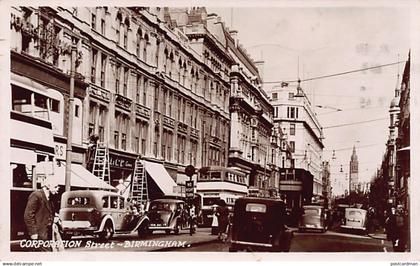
(121, 162)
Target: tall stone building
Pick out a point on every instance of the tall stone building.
(143, 87)
(301, 144)
(354, 172)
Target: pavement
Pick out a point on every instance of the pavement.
(379, 234)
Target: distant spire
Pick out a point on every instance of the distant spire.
(397, 87)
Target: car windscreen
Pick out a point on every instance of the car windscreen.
(311, 211)
(162, 206)
(78, 201)
(256, 207)
(355, 213)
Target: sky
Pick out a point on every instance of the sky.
(331, 40)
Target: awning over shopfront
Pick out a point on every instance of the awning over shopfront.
(81, 177)
(161, 177)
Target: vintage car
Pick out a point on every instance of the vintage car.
(355, 219)
(101, 213)
(169, 215)
(258, 224)
(314, 217)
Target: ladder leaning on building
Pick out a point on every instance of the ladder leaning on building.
(101, 163)
(139, 191)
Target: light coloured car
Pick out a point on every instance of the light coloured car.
(355, 219)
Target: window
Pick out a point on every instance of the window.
(163, 144)
(145, 87)
(155, 143)
(103, 26)
(93, 66)
(292, 112)
(125, 85)
(170, 105)
(292, 129)
(103, 68)
(156, 101)
(125, 36)
(93, 22)
(292, 146)
(276, 112)
(76, 110)
(146, 42)
(117, 79)
(116, 139)
(124, 141)
(138, 87)
(55, 105)
(102, 121)
(138, 43)
(22, 175)
(291, 95)
(274, 95)
(144, 129)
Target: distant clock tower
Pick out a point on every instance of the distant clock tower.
(354, 171)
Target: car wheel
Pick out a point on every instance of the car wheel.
(177, 229)
(143, 231)
(107, 232)
(65, 236)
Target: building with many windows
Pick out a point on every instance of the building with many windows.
(142, 87)
(301, 174)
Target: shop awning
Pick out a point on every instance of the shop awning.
(161, 177)
(81, 177)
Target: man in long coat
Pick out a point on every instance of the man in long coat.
(39, 212)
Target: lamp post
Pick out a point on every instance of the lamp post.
(70, 116)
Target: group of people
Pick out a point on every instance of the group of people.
(221, 221)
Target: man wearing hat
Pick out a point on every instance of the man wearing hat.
(39, 211)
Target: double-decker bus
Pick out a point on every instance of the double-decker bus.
(219, 183)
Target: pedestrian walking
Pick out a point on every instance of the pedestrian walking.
(214, 222)
(223, 220)
(39, 212)
(395, 229)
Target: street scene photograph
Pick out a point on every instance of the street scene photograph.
(281, 129)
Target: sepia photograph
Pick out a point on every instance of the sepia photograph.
(266, 128)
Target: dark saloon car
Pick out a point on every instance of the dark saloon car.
(314, 217)
(259, 225)
(169, 215)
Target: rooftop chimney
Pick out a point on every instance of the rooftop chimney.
(260, 66)
(234, 35)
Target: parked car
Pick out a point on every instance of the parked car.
(101, 213)
(314, 217)
(258, 224)
(355, 219)
(170, 215)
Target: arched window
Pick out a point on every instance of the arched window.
(146, 43)
(126, 27)
(179, 69)
(118, 28)
(138, 41)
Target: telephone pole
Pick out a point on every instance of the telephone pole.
(69, 149)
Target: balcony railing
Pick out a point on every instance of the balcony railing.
(194, 133)
(123, 102)
(99, 93)
(183, 128)
(142, 111)
(168, 121)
